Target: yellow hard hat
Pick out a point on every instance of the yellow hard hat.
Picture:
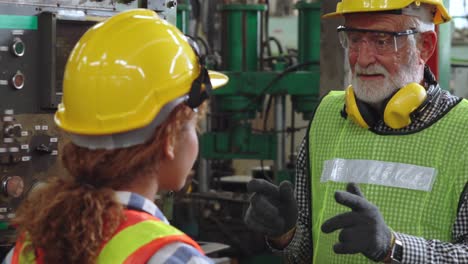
(353, 6)
(124, 70)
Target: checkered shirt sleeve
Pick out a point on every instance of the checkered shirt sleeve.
(415, 249)
(418, 250)
(300, 248)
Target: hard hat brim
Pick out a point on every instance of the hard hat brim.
(218, 79)
(331, 15)
(441, 16)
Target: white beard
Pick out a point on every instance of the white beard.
(376, 91)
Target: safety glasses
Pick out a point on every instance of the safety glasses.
(384, 42)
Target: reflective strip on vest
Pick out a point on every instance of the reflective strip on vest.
(23, 256)
(391, 174)
(130, 239)
(26, 256)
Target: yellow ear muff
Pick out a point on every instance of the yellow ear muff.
(402, 104)
(352, 109)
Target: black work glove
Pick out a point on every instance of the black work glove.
(363, 229)
(273, 209)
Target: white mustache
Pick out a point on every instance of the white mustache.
(372, 69)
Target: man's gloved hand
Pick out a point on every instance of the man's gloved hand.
(363, 229)
(273, 209)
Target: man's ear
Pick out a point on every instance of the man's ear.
(427, 45)
(169, 148)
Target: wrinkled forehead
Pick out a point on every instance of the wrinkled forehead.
(377, 21)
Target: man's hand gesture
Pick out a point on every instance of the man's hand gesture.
(363, 230)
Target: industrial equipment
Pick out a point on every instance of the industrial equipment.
(255, 75)
(259, 81)
(36, 37)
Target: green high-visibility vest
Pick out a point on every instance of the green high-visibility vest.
(430, 214)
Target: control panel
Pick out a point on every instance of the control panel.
(29, 151)
(17, 75)
(35, 42)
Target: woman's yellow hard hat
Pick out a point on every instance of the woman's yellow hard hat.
(123, 71)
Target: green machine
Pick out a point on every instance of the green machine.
(252, 79)
(256, 83)
(183, 16)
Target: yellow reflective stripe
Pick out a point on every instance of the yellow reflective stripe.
(27, 256)
(130, 239)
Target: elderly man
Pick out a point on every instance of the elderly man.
(396, 134)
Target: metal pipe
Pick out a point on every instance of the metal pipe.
(203, 169)
(203, 175)
(280, 117)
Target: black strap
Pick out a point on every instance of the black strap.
(429, 77)
(197, 95)
(430, 80)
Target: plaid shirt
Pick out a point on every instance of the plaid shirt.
(172, 253)
(415, 249)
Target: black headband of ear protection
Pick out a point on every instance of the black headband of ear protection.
(197, 95)
(430, 80)
(429, 77)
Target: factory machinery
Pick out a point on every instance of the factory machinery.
(235, 39)
(36, 37)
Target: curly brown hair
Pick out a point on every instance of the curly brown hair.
(71, 217)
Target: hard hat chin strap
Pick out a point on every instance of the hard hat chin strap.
(200, 90)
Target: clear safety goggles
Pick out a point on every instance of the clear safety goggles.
(383, 42)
